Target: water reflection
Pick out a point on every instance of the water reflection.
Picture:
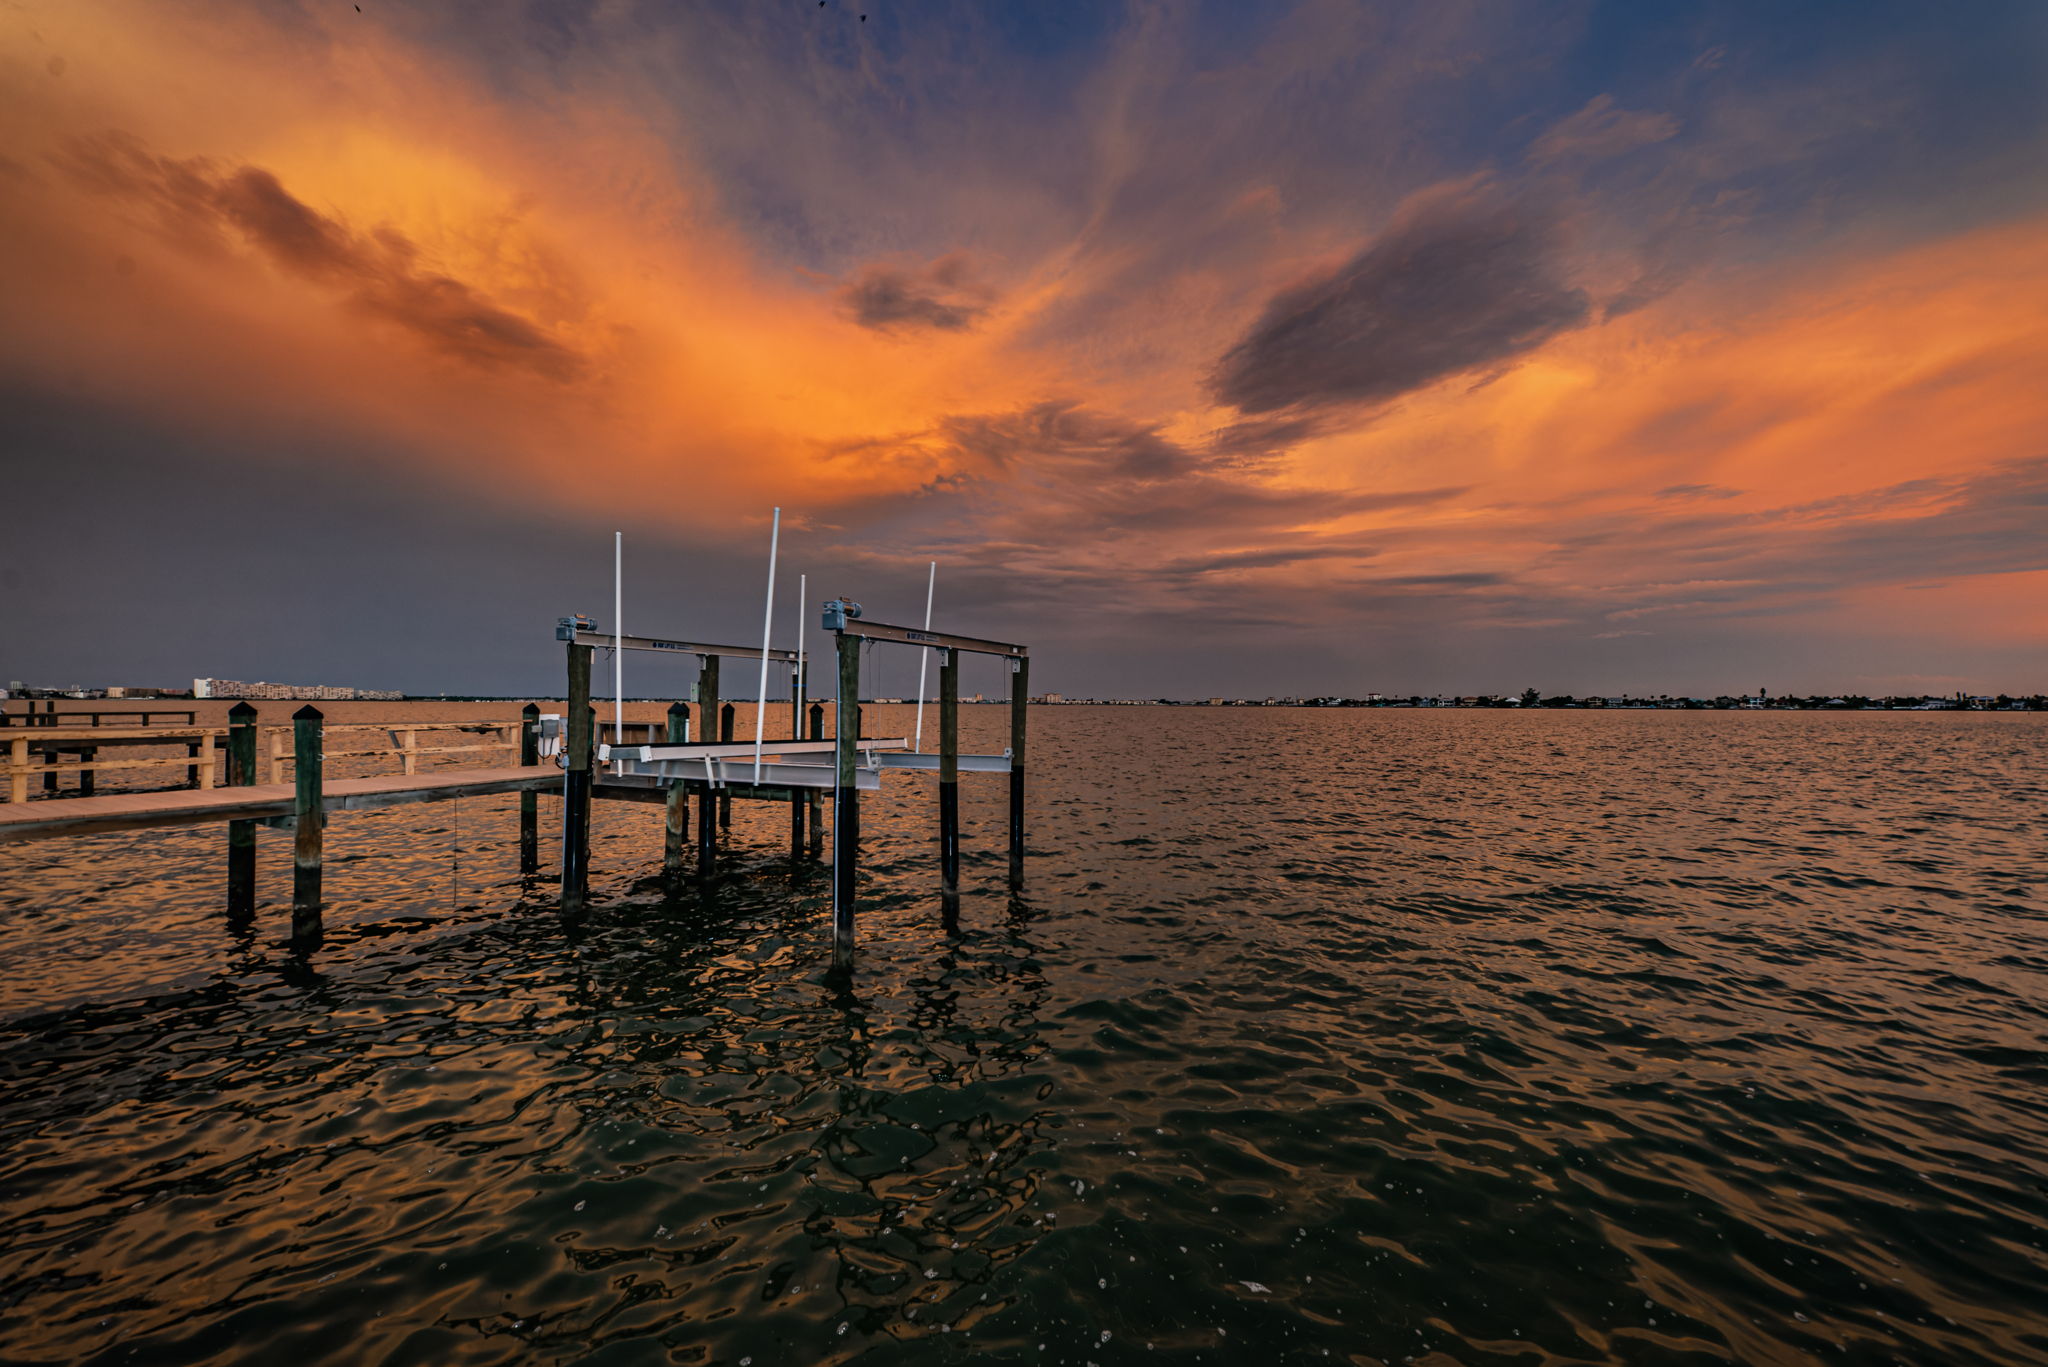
(1678, 1045)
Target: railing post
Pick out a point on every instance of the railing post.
(192, 770)
(949, 774)
(676, 829)
(409, 758)
(86, 758)
(707, 801)
(1020, 685)
(308, 818)
(576, 782)
(17, 769)
(529, 801)
(241, 834)
(845, 799)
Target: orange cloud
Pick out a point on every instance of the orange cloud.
(267, 227)
(221, 219)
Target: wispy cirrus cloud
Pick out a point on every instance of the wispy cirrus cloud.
(1601, 129)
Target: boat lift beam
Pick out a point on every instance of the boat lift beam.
(598, 638)
(937, 640)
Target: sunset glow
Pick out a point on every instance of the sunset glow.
(1740, 358)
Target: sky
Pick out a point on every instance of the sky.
(1208, 349)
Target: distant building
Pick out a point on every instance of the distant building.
(230, 688)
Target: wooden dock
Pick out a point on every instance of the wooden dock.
(663, 767)
(263, 801)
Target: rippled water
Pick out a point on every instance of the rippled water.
(1369, 1037)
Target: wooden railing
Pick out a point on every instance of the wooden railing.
(50, 717)
(405, 743)
(198, 758)
(201, 744)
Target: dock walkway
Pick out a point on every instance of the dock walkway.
(189, 806)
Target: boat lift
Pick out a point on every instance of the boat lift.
(843, 619)
(579, 749)
(794, 770)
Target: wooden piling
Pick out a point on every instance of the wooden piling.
(796, 796)
(529, 801)
(845, 800)
(677, 830)
(17, 769)
(1020, 685)
(241, 834)
(707, 801)
(308, 818)
(949, 772)
(725, 729)
(814, 804)
(576, 782)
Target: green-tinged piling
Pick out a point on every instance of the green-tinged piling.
(529, 801)
(707, 800)
(846, 800)
(676, 828)
(308, 823)
(242, 735)
(949, 772)
(725, 733)
(1020, 683)
(576, 782)
(813, 807)
(796, 798)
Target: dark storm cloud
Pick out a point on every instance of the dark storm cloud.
(197, 204)
(1459, 280)
(941, 295)
(1069, 476)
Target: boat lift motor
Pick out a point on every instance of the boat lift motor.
(838, 612)
(567, 627)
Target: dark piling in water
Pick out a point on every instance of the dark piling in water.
(813, 806)
(529, 802)
(308, 820)
(796, 797)
(241, 834)
(845, 800)
(676, 828)
(576, 782)
(725, 720)
(707, 801)
(949, 771)
(1020, 678)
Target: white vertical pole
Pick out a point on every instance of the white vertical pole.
(767, 629)
(803, 598)
(924, 656)
(618, 638)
